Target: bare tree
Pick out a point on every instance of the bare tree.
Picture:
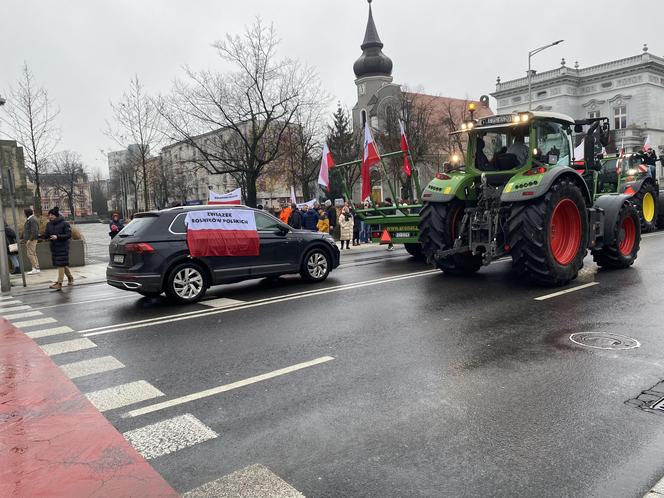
(66, 172)
(31, 118)
(137, 120)
(243, 115)
(344, 146)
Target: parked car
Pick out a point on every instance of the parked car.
(150, 255)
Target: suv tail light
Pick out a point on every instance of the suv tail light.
(139, 247)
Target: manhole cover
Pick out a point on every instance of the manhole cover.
(604, 340)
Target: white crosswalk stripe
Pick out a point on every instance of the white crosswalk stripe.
(123, 395)
(34, 323)
(169, 436)
(35, 334)
(14, 309)
(25, 314)
(67, 346)
(222, 302)
(10, 303)
(90, 367)
(2, 298)
(256, 481)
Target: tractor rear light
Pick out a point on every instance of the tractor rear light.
(535, 171)
(630, 191)
(528, 192)
(139, 247)
(442, 176)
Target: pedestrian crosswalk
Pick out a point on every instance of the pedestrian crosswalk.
(70, 346)
(123, 395)
(90, 367)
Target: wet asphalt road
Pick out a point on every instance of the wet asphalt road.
(439, 386)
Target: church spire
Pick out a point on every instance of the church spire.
(372, 62)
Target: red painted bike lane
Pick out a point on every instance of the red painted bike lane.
(53, 441)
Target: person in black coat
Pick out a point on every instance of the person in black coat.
(295, 218)
(309, 219)
(58, 232)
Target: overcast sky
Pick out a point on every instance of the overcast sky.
(85, 51)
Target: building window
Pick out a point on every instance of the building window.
(593, 114)
(620, 117)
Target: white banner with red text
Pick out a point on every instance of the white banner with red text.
(222, 232)
(234, 197)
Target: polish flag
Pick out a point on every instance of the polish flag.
(621, 156)
(647, 145)
(222, 232)
(580, 151)
(233, 198)
(293, 198)
(369, 158)
(326, 164)
(405, 151)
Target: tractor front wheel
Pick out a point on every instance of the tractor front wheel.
(645, 201)
(439, 226)
(548, 236)
(626, 240)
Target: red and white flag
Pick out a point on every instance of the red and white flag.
(647, 145)
(621, 156)
(222, 232)
(404, 150)
(580, 151)
(369, 158)
(326, 163)
(293, 198)
(233, 198)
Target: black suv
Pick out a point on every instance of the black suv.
(150, 255)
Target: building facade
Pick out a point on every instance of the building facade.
(630, 92)
(54, 189)
(12, 159)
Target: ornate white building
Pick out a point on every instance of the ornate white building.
(630, 92)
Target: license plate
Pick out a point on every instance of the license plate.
(118, 258)
(402, 235)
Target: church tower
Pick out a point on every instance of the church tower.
(373, 73)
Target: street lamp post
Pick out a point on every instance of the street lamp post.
(530, 73)
(5, 283)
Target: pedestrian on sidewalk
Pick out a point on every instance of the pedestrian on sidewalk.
(331, 212)
(295, 218)
(356, 226)
(12, 248)
(346, 225)
(31, 236)
(309, 219)
(285, 213)
(58, 232)
(115, 225)
(323, 223)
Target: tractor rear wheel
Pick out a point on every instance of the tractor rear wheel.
(439, 225)
(645, 201)
(415, 250)
(548, 236)
(627, 237)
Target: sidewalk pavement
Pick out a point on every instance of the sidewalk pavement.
(96, 272)
(53, 441)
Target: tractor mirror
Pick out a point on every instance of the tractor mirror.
(578, 128)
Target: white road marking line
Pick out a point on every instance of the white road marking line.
(226, 387)
(169, 436)
(81, 302)
(2, 298)
(566, 291)
(222, 302)
(32, 323)
(36, 334)
(123, 395)
(89, 367)
(26, 314)
(259, 302)
(256, 480)
(67, 346)
(14, 309)
(9, 303)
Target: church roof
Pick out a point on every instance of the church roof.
(372, 62)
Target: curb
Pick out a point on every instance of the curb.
(54, 441)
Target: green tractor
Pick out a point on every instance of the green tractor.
(519, 195)
(628, 174)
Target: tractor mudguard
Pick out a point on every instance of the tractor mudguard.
(637, 184)
(459, 186)
(610, 204)
(525, 188)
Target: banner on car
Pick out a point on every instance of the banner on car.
(222, 232)
(233, 197)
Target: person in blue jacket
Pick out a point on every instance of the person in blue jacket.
(309, 219)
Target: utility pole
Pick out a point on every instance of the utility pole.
(5, 283)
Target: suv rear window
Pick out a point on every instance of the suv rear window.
(137, 226)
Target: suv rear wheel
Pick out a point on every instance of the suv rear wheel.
(315, 266)
(186, 283)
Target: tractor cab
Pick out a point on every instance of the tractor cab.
(618, 170)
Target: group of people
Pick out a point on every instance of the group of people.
(57, 232)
